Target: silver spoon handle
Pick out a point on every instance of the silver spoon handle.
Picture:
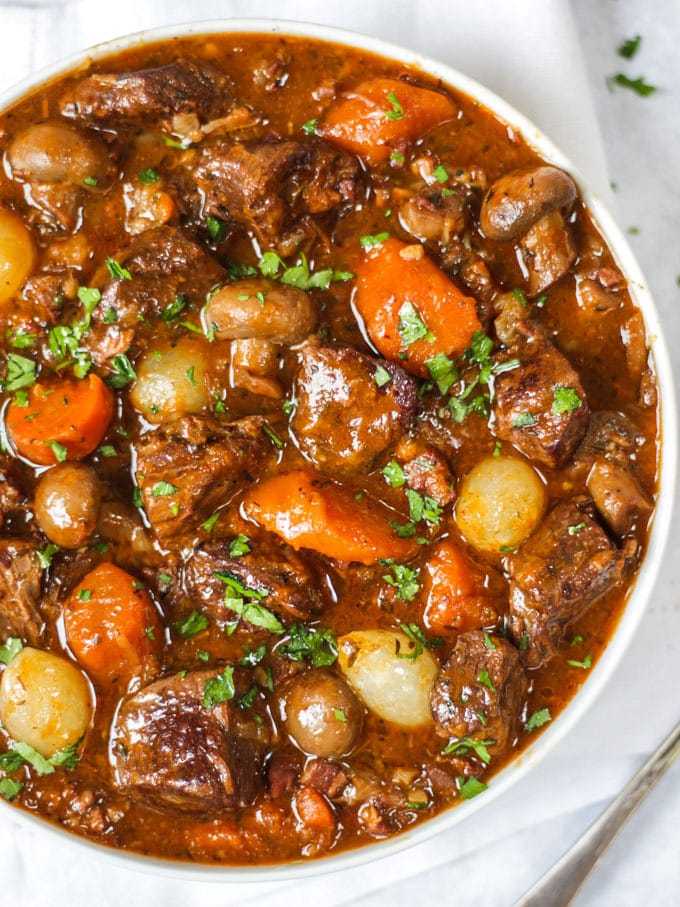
(562, 881)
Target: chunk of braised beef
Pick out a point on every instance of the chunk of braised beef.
(611, 435)
(328, 777)
(284, 581)
(480, 691)
(283, 771)
(12, 494)
(184, 86)
(539, 403)
(350, 407)
(60, 202)
(467, 267)
(165, 264)
(426, 471)
(557, 574)
(187, 468)
(174, 747)
(274, 189)
(20, 591)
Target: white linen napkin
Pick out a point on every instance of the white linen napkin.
(528, 52)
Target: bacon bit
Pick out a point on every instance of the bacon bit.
(610, 278)
(313, 809)
(412, 253)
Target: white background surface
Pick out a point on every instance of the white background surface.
(526, 50)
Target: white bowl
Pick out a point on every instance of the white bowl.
(641, 591)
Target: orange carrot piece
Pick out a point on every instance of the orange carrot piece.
(311, 512)
(381, 115)
(64, 420)
(111, 624)
(313, 809)
(390, 288)
(453, 593)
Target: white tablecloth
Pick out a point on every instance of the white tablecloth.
(528, 51)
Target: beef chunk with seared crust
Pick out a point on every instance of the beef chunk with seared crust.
(184, 86)
(205, 460)
(173, 748)
(480, 691)
(273, 189)
(165, 263)
(288, 585)
(558, 572)
(20, 591)
(344, 419)
(539, 405)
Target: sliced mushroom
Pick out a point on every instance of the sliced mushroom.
(54, 153)
(263, 310)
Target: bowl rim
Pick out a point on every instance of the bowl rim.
(641, 590)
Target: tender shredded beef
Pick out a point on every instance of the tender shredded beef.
(20, 591)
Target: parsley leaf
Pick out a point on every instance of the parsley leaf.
(117, 271)
(523, 420)
(381, 376)
(417, 637)
(485, 679)
(216, 227)
(20, 372)
(440, 173)
(191, 625)
(443, 372)
(124, 373)
(369, 241)
(219, 689)
(309, 128)
(404, 580)
(584, 665)
(470, 788)
(38, 762)
(316, 644)
(148, 176)
(394, 474)
(10, 647)
(629, 47)
(565, 400)
(45, 556)
(397, 111)
(170, 312)
(465, 744)
(252, 657)
(411, 325)
(639, 86)
(239, 546)
(537, 719)
(9, 788)
(163, 490)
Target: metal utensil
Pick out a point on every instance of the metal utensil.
(562, 881)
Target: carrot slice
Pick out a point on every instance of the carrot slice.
(313, 809)
(111, 624)
(311, 512)
(401, 299)
(64, 420)
(451, 590)
(381, 115)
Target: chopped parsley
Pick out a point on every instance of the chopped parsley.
(381, 376)
(422, 507)
(117, 271)
(148, 176)
(216, 227)
(584, 665)
(371, 241)
(519, 295)
(576, 528)
(639, 86)
(246, 603)
(36, 760)
(565, 400)
(10, 647)
(20, 372)
(523, 420)
(488, 642)
(486, 680)
(411, 326)
(394, 474)
(537, 719)
(45, 556)
(110, 316)
(10, 788)
(151, 633)
(340, 715)
(403, 579)
(442, 371)
(90, 181)
(239, 546)
(465, 744)
(309, 128)
(172, 311)
(209, 524)
(108, 451)
(59, 451)
(191, 625)
(22, 340)
(470, 788)
(315, 644)
(397, 111)
(219, 689)
(252, 657)
(271, 434)
(123, 374)
(417, 637)
(629, 47)
(84, 595)
(163, 490)
(440, 173)
(299, 275)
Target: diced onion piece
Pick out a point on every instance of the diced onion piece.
(389, 674)
(17, 254)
